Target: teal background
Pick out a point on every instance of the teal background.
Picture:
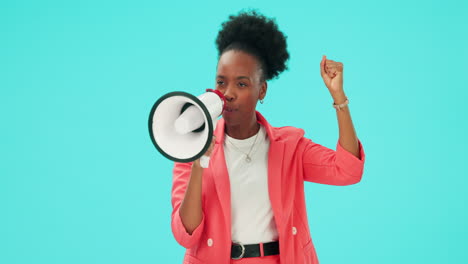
(81, 182)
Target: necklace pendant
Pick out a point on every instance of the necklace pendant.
(248, 159)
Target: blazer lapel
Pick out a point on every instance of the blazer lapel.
(275, 166)
(221, 176)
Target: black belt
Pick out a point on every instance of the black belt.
(239, 251)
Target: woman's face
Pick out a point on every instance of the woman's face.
(238, 77)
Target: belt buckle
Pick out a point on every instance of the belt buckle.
(243, 251)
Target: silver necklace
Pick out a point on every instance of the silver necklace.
(247, 155)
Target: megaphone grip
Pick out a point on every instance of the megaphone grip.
(204, 161)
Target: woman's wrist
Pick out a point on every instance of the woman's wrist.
(339, 98)
(196, 164)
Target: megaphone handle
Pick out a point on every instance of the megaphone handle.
(204, 161)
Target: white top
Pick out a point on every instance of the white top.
(251, 212)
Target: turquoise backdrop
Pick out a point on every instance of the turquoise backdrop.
(81, 182)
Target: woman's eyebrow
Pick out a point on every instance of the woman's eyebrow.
(237, 78)
(243, 77)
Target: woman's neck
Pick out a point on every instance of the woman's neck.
(243, 131)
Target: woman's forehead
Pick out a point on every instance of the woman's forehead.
(237, 63)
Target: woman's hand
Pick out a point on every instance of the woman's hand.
(207, 153)
(332, 74)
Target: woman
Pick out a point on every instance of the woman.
(248, 205)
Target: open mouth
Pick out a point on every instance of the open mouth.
(229, 109)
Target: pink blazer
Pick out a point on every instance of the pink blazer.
(292, 159)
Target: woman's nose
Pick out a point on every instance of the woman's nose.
(228, 97)
(228, 94)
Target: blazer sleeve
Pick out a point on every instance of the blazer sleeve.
(181, 176)
(326, 166)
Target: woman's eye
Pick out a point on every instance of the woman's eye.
(219, 82)
(242, 84)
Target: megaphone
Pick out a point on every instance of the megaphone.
(181, 125)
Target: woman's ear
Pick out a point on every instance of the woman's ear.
(263, 90)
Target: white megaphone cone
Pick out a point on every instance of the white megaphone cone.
(181, 125)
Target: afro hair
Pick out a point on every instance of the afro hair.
(257, 35)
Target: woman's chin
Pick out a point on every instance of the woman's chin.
(229, 118)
